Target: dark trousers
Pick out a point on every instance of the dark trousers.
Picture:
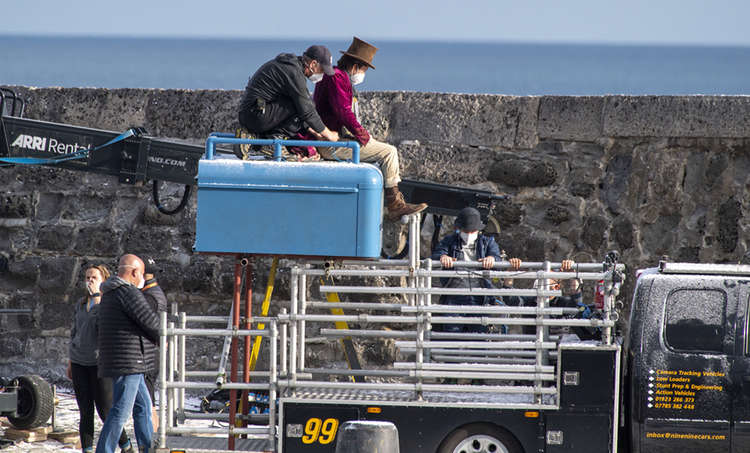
(91, 391)
(151, 377)
(277, 118)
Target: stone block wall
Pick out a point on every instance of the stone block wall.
(648, 176)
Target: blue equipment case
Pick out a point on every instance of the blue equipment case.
(322, 209)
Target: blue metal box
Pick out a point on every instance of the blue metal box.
(330, 209)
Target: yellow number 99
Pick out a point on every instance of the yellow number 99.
(312, 429)
(328, 433)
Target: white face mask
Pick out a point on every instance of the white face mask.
(315, 78)
(141, 283)
(469, 237)
(357, 78)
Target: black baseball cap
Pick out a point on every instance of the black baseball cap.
(151, 267)
(469, 219)
(322, 55)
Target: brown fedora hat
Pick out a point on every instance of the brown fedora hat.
(362, 51)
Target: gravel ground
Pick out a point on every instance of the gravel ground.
(65, 419)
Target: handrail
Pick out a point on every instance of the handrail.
(216, 138)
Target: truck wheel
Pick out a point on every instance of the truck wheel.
(480, 438)
(35, 402)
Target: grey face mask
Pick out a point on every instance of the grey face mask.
(315, 78)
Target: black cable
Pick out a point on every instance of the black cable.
(180, 207)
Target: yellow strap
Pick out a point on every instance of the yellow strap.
(263, 312)
(334, 297)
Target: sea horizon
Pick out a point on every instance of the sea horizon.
(511, 68)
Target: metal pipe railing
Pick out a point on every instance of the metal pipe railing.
(182, 372)
(439, 291)
(171, 393)
(232, 333)
(357, 305)
(293, 325)
(367, 372)
(480, 344)
(302, 297)
(483, 320)
(430, 356)
(464, 360)
(225, 319)
(172, 350)
(284, 345)
(461, 269)
(217, 139)
(490, 309)
(223, 416)
(272, 384)
(536, 377)
(476, 367)
(163, 378)
(386, 386)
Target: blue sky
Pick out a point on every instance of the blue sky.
(707, 22)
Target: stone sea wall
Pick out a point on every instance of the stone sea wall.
(647, 175)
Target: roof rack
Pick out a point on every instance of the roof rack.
(703, 268)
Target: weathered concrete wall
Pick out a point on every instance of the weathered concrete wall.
(647, 176)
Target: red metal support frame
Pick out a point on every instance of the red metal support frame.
(249, 280)
(234, 352)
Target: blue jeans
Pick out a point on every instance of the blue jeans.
(129, 395)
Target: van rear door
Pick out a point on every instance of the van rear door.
(688, 339)
(741, 376)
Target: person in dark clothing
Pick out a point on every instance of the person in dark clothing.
(158, 301)
(277, 102)
(467, 244)
(91, 391)
(128, 331)
(572, 297)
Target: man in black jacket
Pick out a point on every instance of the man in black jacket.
(128, 331)
(158, 301)
(277, 101)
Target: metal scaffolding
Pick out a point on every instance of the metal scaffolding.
(487, 369)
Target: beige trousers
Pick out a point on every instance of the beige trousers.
(374, 152)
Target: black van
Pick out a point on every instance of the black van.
(688, 360)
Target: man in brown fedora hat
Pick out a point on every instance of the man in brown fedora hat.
(336, 101)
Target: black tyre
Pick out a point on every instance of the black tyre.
(480, 438)
(35, 402)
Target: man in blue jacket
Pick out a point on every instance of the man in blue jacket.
(128, 331)
(467, 244)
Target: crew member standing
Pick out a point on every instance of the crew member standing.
(158, 301)
(128, 331)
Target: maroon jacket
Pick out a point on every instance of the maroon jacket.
(333, 101)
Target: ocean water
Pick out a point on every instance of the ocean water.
(496, 68)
